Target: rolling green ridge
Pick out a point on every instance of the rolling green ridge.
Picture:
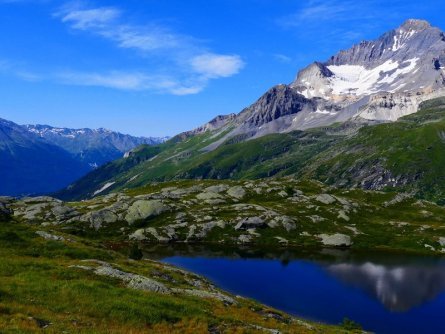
(406, 155)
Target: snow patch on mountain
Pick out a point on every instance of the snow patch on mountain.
(105, 187)
(401, 38)
(358, 80)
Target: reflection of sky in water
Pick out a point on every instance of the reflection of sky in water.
(385, 293)
(398, 288)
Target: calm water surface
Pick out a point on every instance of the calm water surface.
(385, 293)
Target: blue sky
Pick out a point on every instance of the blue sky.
(154, 68)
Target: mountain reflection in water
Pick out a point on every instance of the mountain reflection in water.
(384, 292)
(399, 288)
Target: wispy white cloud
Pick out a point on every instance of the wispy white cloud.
(18, 70)
(119, 80)
(314, 11)
(27, 75)
(90, 18)
(214, 66)
(135, 81)
(143, 39)
(190, 64)
(321, 11)
(104, 21)
(282, 58)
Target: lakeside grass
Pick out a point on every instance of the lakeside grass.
(41, 293)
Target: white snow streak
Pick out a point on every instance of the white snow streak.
(105, 187)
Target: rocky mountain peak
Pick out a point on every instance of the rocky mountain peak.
(376, 80)
(279, 101)
(407, 59)
(312, 80)
(215, 124)
(415, 25)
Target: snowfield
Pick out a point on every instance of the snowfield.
(357, 80)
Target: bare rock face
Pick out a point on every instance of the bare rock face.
(313, 80)
(215, 124)
(279, 101)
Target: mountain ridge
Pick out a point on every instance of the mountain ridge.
(37, 159)
(93, 146)
(359, 82)
(30, 164)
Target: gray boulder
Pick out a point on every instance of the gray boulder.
(217, 188)
(99, 218)
(343, 215)
(48, 236)
(325, 199)
(207, 294)
(335, 240)
(143, 209)
(206, 228)
(237, 192)
(250, 222)
(245, 239)
(133, 281)
(138, 235)
(157, 236)
(208, 196)
(62, 212)
(32, 211)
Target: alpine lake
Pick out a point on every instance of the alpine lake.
(383, 292)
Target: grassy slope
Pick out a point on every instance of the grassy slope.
(156, 161)
(272, 155)
(409, 151)
(39, 290)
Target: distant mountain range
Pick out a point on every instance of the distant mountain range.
(319, 126)
(37, 159)
(92, 146)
